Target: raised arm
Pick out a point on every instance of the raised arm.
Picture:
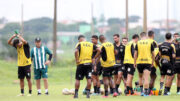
(10, 40)
(22, 39)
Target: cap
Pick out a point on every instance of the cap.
(38, 39)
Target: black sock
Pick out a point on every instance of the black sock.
(106, 92)
(117, 86)
(141, 87)
(161, 85)
(22, 91)
(95, 89)
(76, 91)
(30, 91)
(178, 89)
(131, 89)
(166, 90)
(98, 89)
(127, 89)
(146, 91)
(111, 90)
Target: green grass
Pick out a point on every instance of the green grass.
(60, 78)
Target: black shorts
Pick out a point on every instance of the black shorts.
(83, 70)
(108, 71)
(24, 71)
(153, 71)
(177, 68)
(98, 70)
(130, 68)
(118, 68)
(142, 67)
(166, 68)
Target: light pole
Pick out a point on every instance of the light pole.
(55, 32)
(145, 17)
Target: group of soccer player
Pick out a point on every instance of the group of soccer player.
(118, 62)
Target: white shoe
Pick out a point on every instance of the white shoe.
(178, 93)
(29, 95)
(20, 95)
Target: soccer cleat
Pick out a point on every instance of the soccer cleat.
(88, 95)
(142, 94)
(75, 96)
(39, 94)
(178, 93)
(160, 92)
(20, 95)
(115, 94)
(47, 93)
(165, 94)
(104, 96)
(29, 95)
(145, 95)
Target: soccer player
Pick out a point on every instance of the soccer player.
(177, 60)
(119, 67)
(84, 61)
(38, 55)
(97, 70)
(24, 61)
(128, 62)
(124, 40)
(107, 62)
(153, 75)
(167, 54)
(144, 58)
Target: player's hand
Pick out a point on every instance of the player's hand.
(18, 35)
(152, 64)
(77, 61)
(14, 35)
(47, 62)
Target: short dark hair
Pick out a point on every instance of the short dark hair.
(81, 36)
(95, 36)
(15, 42)
(150, 33)
(168, 36)
(101, 37)
(176, 33)
(125, 38)
(142, 34)
(116, 35)
(135, 36)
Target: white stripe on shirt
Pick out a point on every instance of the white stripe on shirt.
(35, 57)
(43, 53)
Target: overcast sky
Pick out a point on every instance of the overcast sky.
(81, 9)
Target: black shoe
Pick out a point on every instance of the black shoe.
(39, 94)
(46, 93)
(88, 94)
(75, 96)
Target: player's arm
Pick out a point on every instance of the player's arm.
(135, 55)
(157, 58)
(10, 40)
(173, 51)
(22, 39)
(50, 56)
(32, 54)
(77, 54)
(153, 54)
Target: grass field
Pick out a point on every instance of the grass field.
(60, 78)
